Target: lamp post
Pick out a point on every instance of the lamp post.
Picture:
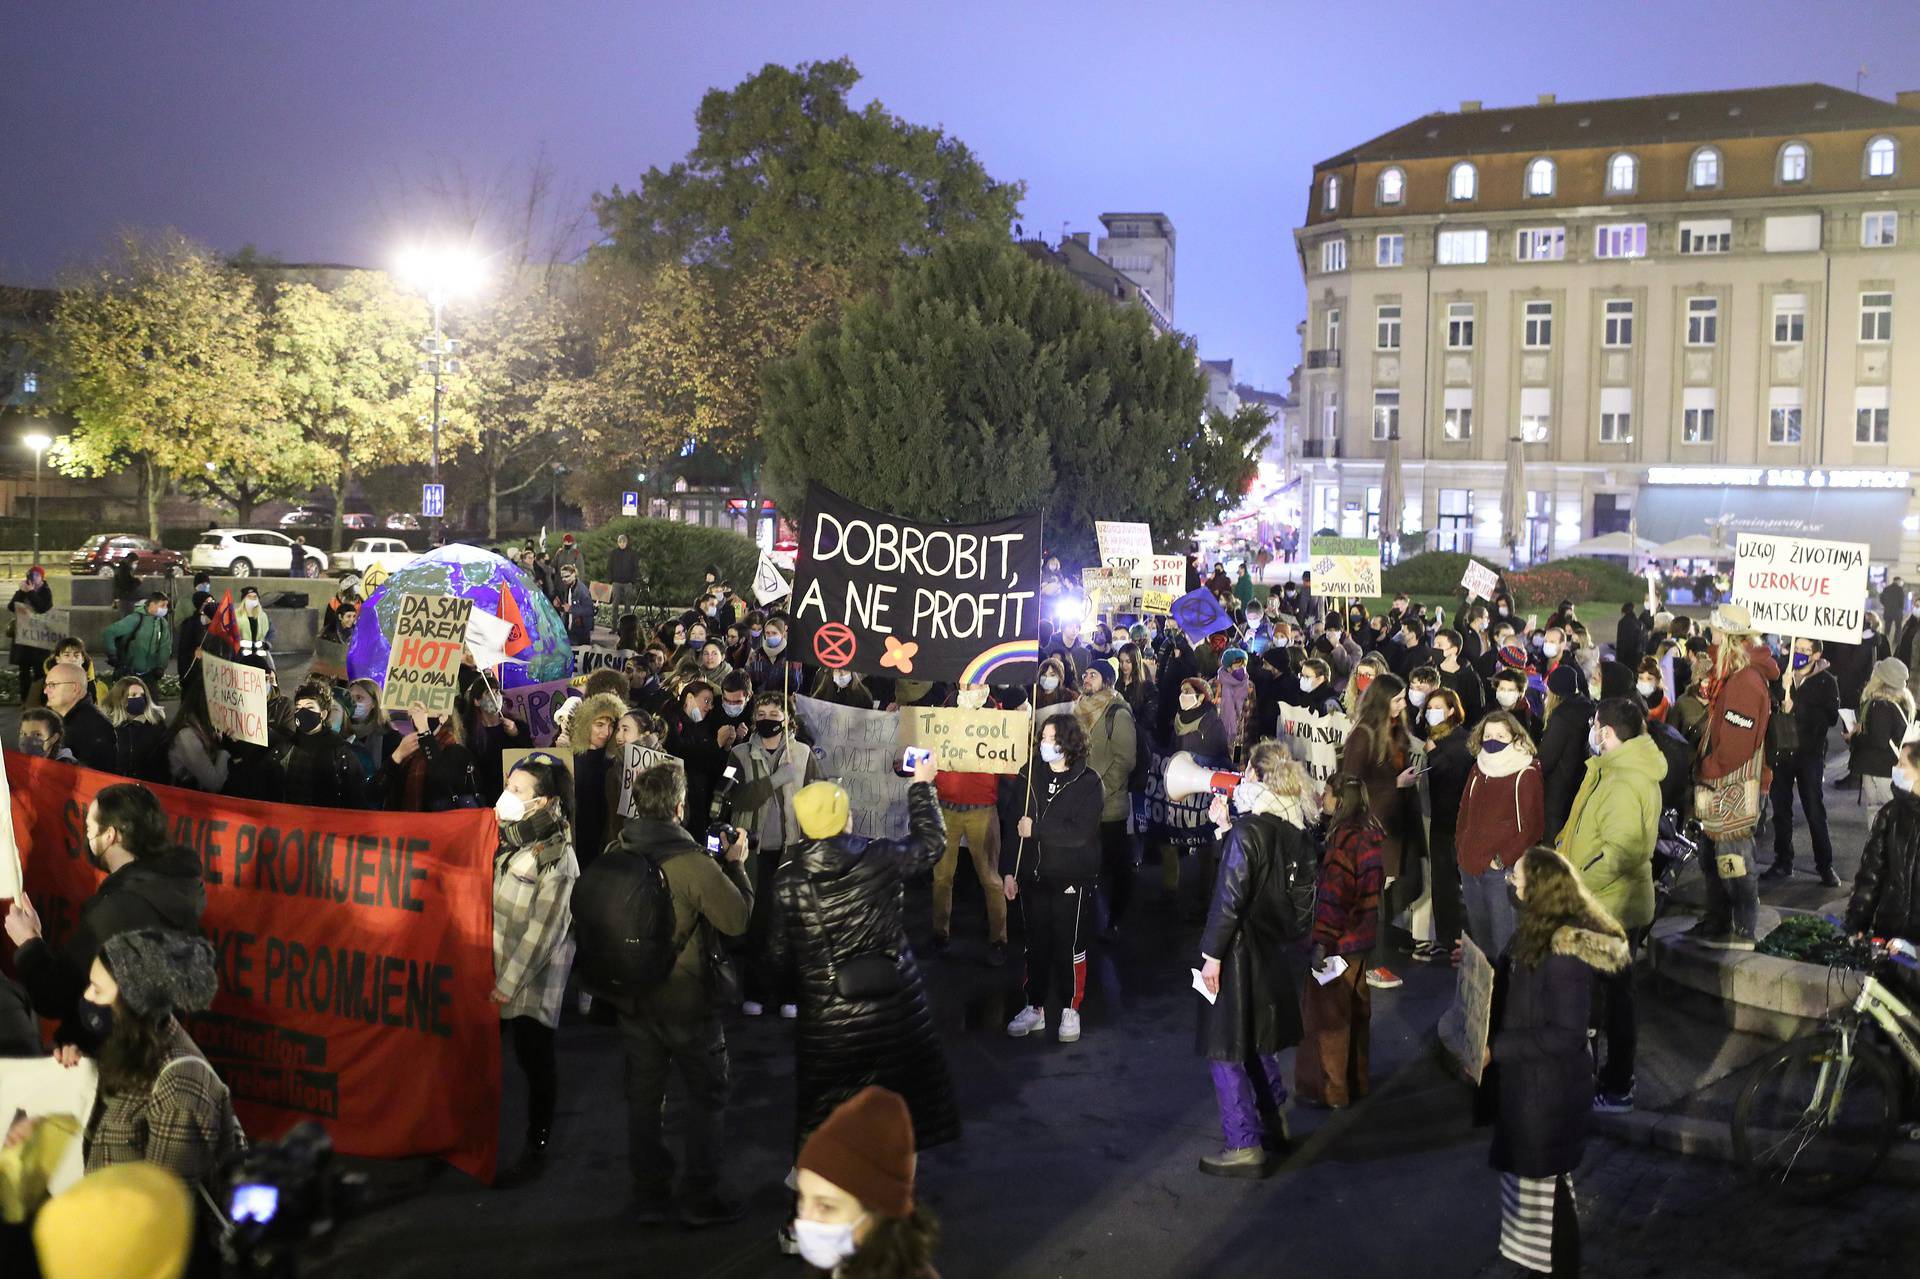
(440, 274)
(39, 444)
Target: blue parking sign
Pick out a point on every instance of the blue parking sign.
(629, 503)
(433, 500)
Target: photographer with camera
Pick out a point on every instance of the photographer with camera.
(669, 1020)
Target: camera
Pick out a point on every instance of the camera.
(280, 1197)
(719, 836)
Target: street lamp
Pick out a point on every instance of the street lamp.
(39, 444)
(441, 274)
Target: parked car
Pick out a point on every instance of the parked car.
(403, 521)
(312, 515)
(103, 551)
(387, 552)
(355, 519)
(244, 552)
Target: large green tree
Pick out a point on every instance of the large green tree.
(982, 384)
(163, 369)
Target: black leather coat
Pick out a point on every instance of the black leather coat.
(838, 898)
(1886, 892)
(1261, 968)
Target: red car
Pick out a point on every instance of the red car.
(104, 550)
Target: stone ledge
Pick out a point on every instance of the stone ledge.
(1712, 1139)
(1780, 998)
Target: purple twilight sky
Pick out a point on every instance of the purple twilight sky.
(292, 126)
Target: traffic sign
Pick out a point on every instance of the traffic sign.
(433, 500)
(629, 503)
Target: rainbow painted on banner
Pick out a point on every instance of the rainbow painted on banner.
(980, 670)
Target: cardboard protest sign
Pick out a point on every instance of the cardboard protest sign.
(42, 1088)
(768, 585)
(39, 630)
(355, 952)
(587, 660)
(423, 665)
(1345, 566)
(534, 705)
(1156, 602)
(1802, 586)
(1479, 581)
(236, 699)
(1127, 547)
(637, 760)
(329, 659)
(600, 592)
(1165, 573)
(1465, 1025)
(1108, 590)
(968, 741)
(859, 749)
(883, 595)
(1314, 740)
(1199, 614)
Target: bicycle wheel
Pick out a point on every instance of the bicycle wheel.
(1801, 1128)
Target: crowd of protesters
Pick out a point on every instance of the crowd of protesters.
(1503, 782)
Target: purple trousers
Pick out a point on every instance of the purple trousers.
(1246, 1092)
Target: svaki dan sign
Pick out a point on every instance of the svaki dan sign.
(883, 595)
(1802, 586)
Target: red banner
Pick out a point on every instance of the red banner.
(355, 955)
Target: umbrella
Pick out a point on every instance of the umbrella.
(1694, 546)
(1612, 544)
(1391, 498)
(1513, 497)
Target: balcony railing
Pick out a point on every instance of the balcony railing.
(1324, 359)
(1320, 448)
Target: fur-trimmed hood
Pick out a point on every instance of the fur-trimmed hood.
(1599, 951)
(599, 706)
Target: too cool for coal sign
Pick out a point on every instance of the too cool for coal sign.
(1801, 586)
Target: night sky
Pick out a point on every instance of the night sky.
(299, 127)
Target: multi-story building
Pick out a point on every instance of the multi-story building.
(1699, 312)
(1142, 246)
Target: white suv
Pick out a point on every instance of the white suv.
(243, 552)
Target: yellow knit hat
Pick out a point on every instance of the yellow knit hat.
(132, 1220)
(822, 808)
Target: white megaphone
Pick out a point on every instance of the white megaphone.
(1186, 778)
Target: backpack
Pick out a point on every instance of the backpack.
(623, 925)
(1783, 732)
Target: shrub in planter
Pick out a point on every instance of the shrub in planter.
(673, 557)
(1579, 580)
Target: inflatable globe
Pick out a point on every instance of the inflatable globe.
(471, 573)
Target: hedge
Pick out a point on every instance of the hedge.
(1581, 580)
(673, 556)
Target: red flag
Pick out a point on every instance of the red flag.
(517, 641)
(223, 623)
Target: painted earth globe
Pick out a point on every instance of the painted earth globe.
(471, 573)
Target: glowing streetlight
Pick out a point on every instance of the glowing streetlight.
(441, 274)
(39, 443)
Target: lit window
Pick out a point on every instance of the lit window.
(1541, 244)
(1696, 417)
(1386, 320)
(1623, 174)
(1616, 415)
(1462, 248)
(1333, 255)
(1457, 423)
(1389, 250)
(1459, 326)
(1332, 203)
(1462, 184)
(29, 383)
(1703, 321)
(1619, 322)
(1783, 416)
(1870, 415)
(1793, 162)
(1876, 317)
(1333, 328)
(1537, 328)
(1536, 413)
(1879, 229)
(1540, 177)
(1393, 186)
(1707, 235)
(1882, 158)
(1705, 170)
(1386, 414)
(1789, 319)
(1620, 240)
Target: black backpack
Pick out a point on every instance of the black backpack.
(623, 924)
(1783, 733)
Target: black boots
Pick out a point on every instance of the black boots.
(531, 1164)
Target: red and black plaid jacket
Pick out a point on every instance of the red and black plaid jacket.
(1346, 907)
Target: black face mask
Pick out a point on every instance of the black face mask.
(769, 728)
(306, 719)
(94, 859)
(96, 1019)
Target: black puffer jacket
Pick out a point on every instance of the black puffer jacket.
(1065, 848)
(1563, 759)
(842, 897)
(1262, 952)
(1886, 892)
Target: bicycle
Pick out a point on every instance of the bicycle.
(1819, 1117)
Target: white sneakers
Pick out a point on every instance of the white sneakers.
(789, 1011)
(1028, 1020)
(751, 1008)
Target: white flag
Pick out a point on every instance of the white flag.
(486, 639)
(768, 585)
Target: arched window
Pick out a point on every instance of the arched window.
(1333, 194)
(1793, 162)
(1704, 172)
(1623, 174)
(1540, 177)
(1463, 183)
(1393, 186)
(1882, 157)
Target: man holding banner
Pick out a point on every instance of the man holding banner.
(773, 767)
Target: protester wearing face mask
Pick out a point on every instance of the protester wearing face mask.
(491, 731)
(1458, 675)
(1734, 682)
(1197, 730)
(1049, 863)
(1563, 744)
(43, 736)
(1422, 683)
(843, 688)
(596, 774)
(771, 665)
(773, 767)
(1316, 694)
(1253, 956)
(1510, 695)
(320, 767)
(1811, 695)
(969, 808)
(364, 726)
(534, 871)
(33, 592)
(1884, 902)
(1365, 671)
(1053, 684)
(433, 770)
(140, 731)
(856, 1213)
(141, 642)
(256, 632)
(1233, 691)
(1648, 686)
(1449, 762)
(693, 737)
(150, 883)
(1502, 814)
(1331, 1067)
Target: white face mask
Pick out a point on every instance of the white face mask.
(972, 698)
(695, 715)
(1049, 752)
(842, 678)
(1247, 794)
(1281, 641)
(734, 712)
(1308, 683)
(490, 704)
(821, 1245)
(1189, 702)
(509, 807)
(1593, 741)
(1436, 715)
(1049, 682)
(1646, 689)
(1506, 696)
(1418, 696)
(1902, 781)
(1550, 648)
